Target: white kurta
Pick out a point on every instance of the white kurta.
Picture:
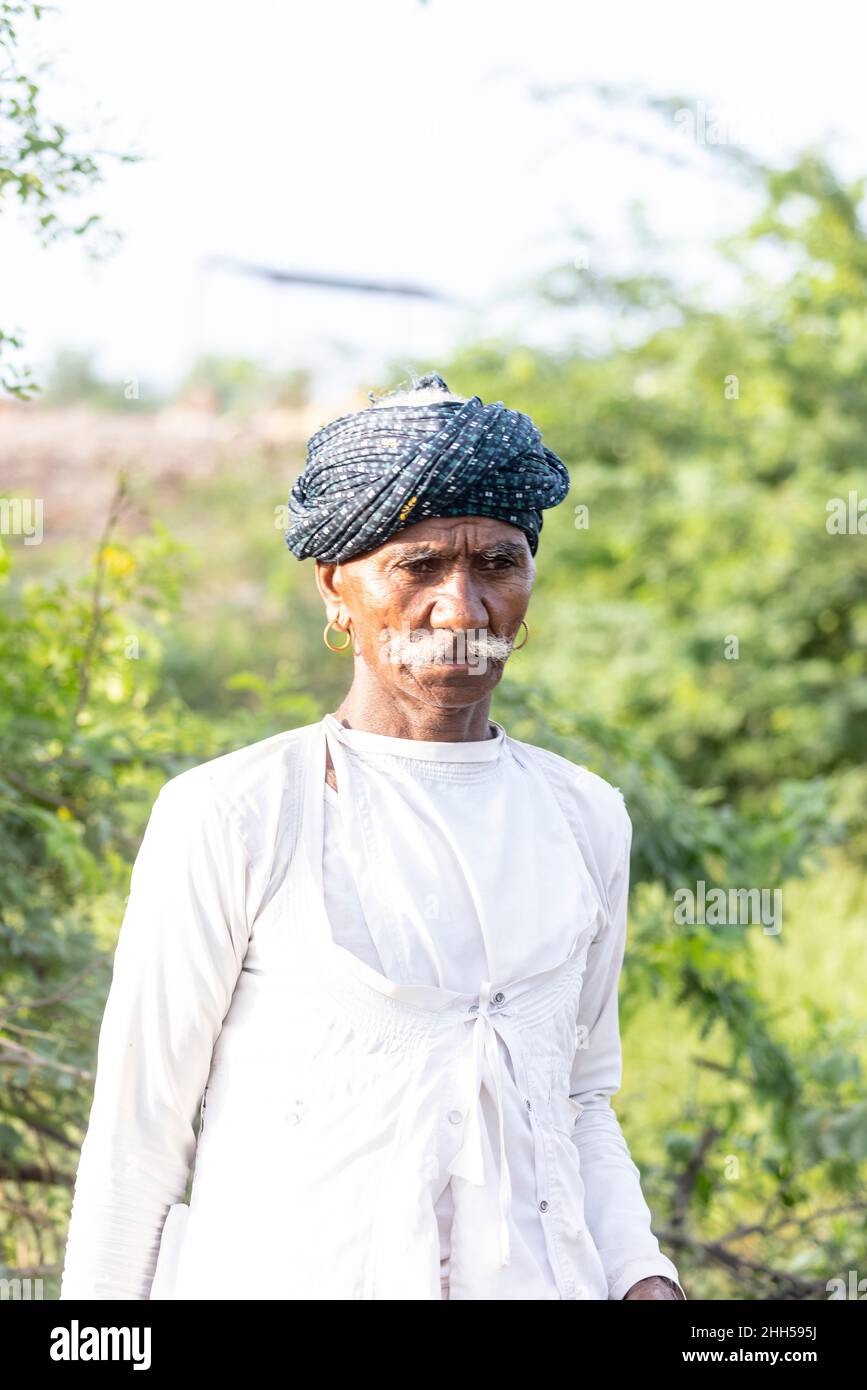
(338, 1105)
(446, 881)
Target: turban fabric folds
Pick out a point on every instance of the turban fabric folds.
(373, 473)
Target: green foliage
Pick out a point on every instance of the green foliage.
(41, 171)
(84, 748)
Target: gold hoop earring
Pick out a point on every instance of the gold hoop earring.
(524, 643)
(347, 643)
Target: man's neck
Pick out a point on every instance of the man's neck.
(380, 712)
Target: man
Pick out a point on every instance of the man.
(379, 955)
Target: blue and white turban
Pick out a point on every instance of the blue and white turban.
(379, 470)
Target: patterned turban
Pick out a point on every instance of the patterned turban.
(379, 470)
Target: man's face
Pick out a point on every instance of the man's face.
(428, 606)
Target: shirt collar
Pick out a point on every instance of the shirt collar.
(429, 750)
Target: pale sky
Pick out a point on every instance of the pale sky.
(396, 139)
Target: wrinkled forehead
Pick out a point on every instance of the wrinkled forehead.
(457, 532)
(451, 537)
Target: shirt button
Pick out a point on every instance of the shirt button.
(499, 997)
(454, 1117)
(543, 1205)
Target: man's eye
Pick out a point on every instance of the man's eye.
(490, 562)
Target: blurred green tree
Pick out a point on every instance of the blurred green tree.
(41, 170)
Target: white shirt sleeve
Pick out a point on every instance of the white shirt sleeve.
(179, 953)
(616, 1213)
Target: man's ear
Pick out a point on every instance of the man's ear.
(332, 587)
(324, 574)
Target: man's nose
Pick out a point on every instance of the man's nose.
(459, 604)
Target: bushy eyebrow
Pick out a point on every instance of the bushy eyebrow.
(425, 550)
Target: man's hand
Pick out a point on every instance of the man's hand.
(655, 1287)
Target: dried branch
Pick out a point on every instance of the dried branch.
(118, 502)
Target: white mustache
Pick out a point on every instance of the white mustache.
(440, 646)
